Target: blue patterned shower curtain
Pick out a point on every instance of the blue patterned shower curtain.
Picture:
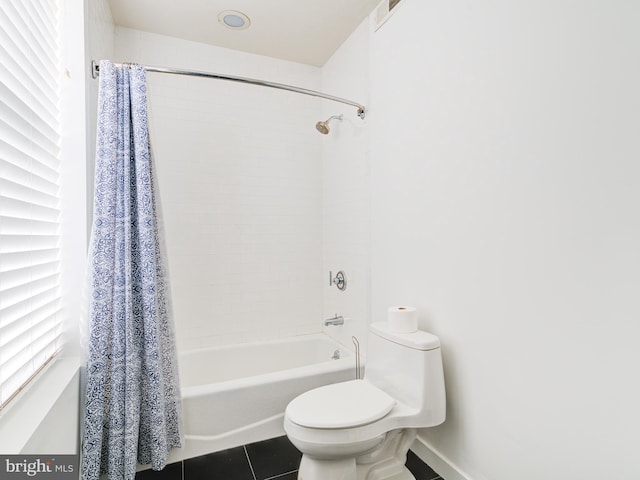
(132, 403)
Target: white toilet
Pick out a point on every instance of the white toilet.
(362, 429)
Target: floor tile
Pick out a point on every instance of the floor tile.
(287, 476)
(173, 471)
(420, 470)
(229, 464)
(273, 457)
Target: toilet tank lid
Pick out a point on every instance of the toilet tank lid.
(418, 340)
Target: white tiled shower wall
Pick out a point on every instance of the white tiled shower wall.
(346, 190)
(240, 180)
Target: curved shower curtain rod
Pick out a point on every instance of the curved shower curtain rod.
(95, 71)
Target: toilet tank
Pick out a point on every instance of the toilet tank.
(408, 366)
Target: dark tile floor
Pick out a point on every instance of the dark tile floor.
(274, 459)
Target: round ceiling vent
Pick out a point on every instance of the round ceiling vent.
(234, 20)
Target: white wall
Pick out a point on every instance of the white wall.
(346, 226)
(506, 207)
(58, 431)
(239, 174)
(99, 44)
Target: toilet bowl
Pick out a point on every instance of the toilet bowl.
(362, 429)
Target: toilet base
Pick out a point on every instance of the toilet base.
(403, 475)
(384, 463)
(315, 469)
(312, 469)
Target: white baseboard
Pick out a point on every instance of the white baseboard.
(437, 461)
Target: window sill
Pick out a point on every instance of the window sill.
(24, 415)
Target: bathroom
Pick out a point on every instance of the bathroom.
(493, 184)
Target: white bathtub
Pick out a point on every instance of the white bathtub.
(234, 395)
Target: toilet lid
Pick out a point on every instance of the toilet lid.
(340, 405)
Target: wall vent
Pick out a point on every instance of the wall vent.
(385, 10)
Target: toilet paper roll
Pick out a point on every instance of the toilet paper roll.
(402, 319)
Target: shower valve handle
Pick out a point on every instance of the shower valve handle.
(340, 280)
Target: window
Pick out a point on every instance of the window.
(30, 319)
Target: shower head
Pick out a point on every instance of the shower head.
(323, 127)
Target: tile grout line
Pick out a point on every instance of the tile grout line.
(282, 475)
(249, 460)
(182, 468)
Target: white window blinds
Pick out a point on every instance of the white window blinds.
(30, 326)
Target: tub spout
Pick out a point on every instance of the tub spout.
(336, 320)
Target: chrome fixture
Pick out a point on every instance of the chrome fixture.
(339, 281)
(323, 127)
(356, 344)
(336, 320)
(95, 72)
(336, 355)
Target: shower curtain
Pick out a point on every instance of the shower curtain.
(132, 395)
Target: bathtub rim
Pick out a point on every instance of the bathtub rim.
(347, 356)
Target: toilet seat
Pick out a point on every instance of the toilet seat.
(340, 405)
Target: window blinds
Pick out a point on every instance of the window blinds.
(30, 320)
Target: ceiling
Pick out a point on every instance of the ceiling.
(304, 31)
